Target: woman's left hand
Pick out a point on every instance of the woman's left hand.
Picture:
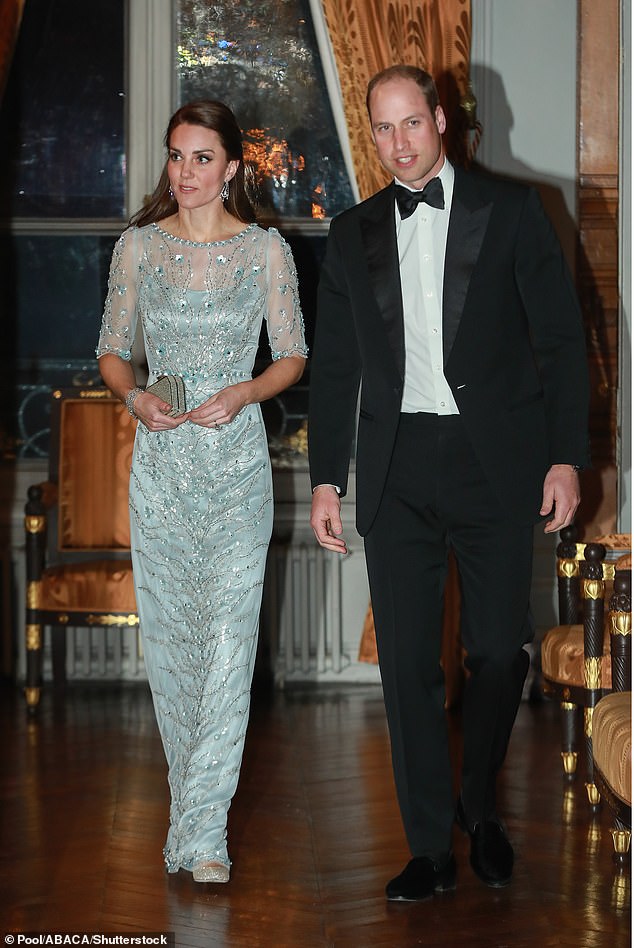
(222, 407)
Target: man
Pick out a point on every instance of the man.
(457, 317)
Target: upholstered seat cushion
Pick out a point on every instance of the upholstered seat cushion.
(612, 742)
(562, 656)
(99, 586)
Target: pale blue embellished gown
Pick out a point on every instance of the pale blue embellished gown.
(201, 506)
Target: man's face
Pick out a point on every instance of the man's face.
(406, 133)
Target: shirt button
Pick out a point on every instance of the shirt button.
(435, 331)
(442, 404)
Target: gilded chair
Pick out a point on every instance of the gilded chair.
(78, 567)
(575, 654)
(612, 718)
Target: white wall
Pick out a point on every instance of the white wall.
(523, 68)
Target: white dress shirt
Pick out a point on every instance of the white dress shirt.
(421, 241)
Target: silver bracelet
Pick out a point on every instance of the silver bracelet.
(130, 399)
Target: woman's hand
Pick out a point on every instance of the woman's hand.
(222, 407)
(153, 412)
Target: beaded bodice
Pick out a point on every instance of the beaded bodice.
(201, 304)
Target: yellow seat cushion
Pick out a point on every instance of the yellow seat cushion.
(96, 586)
(562, 656)
(612, 742)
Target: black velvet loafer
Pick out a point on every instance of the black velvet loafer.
(491, 852)
(422, 878)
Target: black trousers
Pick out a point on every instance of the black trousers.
(436, 497)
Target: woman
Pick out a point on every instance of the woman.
(200, 275)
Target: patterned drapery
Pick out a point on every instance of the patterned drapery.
(369, 35)
(10, 19)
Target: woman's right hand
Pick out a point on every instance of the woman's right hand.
(153, 412)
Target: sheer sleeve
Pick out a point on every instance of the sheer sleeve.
(284, 318)
(119, 320)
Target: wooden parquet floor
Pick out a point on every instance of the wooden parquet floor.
(314, 833)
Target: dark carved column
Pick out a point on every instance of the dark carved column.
(593, 592)
(568, 589)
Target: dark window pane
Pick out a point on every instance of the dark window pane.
(261, 58)
(54, 287)
(62, 116)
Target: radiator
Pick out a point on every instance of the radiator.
(313, 611)
(111, 653)
(302, 613)
(313, 608)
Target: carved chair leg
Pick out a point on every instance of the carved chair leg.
(569, 714)
(33, 665)
(593, 592)
(621, 837)
(594, 796)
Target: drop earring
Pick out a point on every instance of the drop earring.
(171, 193)
(224, 194)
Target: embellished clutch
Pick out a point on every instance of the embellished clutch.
(170, 389)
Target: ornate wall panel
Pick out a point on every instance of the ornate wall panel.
(597, 263)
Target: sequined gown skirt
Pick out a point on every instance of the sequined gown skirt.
(201, 515)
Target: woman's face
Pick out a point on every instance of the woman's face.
(197, 166)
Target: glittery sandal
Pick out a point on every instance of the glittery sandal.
(211, 872)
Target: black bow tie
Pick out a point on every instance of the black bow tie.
(408, 200)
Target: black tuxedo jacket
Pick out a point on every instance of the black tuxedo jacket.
(514, 352)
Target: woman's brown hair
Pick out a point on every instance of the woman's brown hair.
(216, 116)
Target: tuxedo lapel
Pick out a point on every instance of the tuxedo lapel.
(378, 234)
(467, 226)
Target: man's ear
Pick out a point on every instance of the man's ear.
(441, 121)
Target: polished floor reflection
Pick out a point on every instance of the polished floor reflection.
(314, 833)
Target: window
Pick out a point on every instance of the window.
(62, 117)
(261, 58)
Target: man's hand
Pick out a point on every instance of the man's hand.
(561, 495)
(325, 519)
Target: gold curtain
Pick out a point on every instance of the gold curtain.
(10, 19)
(369, 35)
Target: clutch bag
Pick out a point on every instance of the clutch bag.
(170, 389)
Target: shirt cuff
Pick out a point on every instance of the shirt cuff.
(338, 489)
